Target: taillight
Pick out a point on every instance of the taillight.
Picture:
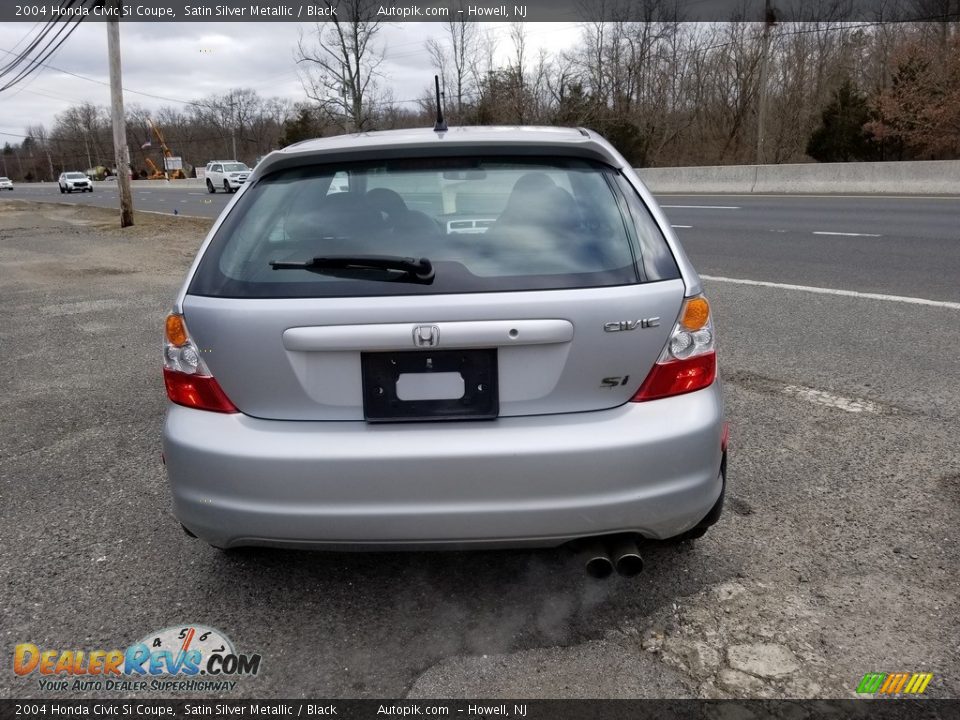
(185, 374)
(689, 359)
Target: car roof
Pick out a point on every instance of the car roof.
(520, 140)
(474, 134)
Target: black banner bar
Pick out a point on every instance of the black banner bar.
(879, 709)
(473, 11)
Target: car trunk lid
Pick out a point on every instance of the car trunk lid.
(555, 351)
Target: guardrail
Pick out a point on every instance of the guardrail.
(933, 177)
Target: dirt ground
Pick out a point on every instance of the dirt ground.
(155, 244)
(837, 554)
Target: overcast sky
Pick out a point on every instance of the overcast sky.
(186, 61)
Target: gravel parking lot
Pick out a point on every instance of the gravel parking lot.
(837, 554)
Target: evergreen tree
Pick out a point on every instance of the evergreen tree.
(841, 136)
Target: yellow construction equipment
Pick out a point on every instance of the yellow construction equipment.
(159, 173)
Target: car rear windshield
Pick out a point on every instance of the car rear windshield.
(485, 225)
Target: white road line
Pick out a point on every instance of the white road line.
(704, 207)
(687, 227)
(833, 291)
(845, 234)
(821, 397)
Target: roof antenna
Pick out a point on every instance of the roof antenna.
(441, 124)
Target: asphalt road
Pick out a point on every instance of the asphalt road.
(836, 556)
(894, 245)
(196, 202)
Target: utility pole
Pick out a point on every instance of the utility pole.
(120, 149)
(769, 20)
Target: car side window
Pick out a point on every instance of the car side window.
(339, 184)
(217, 168)
(658, 262)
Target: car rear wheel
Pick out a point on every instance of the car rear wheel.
(210, 187)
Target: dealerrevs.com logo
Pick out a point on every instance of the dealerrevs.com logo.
(186, 658)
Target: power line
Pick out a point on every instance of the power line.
(22, 55)
(106, 84)
(45, 52)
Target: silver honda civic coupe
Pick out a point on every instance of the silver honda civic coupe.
(479, 337)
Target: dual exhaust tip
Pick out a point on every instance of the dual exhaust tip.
(620, 553)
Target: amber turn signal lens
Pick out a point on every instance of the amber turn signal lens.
(176, 331)
(696, 312)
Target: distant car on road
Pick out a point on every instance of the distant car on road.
(6, 183)
(226, 174)
(70, 181)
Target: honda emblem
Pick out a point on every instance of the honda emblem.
(426, 336)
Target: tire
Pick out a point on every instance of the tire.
(62, 191)
(210, 187)
(90, 190)
(226, 187)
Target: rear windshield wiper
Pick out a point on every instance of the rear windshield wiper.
(413, 270)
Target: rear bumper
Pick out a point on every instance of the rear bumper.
(651, 468)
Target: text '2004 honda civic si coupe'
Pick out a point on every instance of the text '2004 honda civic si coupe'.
(477, 337)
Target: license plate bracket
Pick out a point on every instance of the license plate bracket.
(381, 370)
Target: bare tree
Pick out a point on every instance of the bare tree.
(921, 108)
(454, 61)
(341, 65)
(82, 133)
(516, 73)
(464, 37)
(38, 133)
